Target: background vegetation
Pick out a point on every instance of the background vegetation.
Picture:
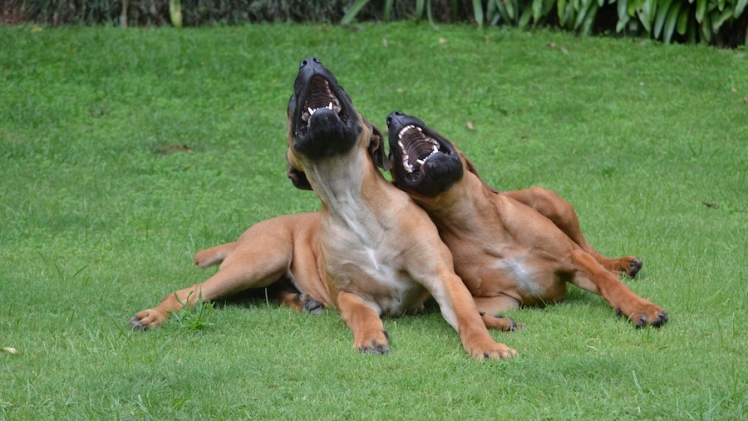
(717, 22)
(123, 152)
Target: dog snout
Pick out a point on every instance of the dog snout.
(393, 115)
(309, 61)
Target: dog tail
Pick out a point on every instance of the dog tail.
(214, 255)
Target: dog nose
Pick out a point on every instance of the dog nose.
(307, 61)
(393, 115)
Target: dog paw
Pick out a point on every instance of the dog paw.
(146, 319)
(634, 266)
(375, 345)
(499, 322)
(311, 305)
(651, 316)
(493, 351)
(137, 324)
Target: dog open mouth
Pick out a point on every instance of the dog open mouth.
(415, 149)
(319, 98)
(323, 121)
(423, 161)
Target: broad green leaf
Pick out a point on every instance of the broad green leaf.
(662, 13)
(719, 19)
(353, 11)
(548, 6)
(721, 5)
(501, 8)
(700, 10)
(739, 8)
(537, 6)
(510, 9)
(622, 8)
(589, 19)
(477, 10)
(431, 17)
(586, 5)
(646, 14)
(525, 18)
(706, 29)
(671, 22)
(682, 21)
(561, 10)
(388, 10)
(621, 24)
(491, 9)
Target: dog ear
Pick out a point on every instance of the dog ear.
(472, 169)
(376, 147)
(298, 178)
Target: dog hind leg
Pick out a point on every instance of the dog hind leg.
(490, 309)
(257, 262)
(549, 204)
(592, 277)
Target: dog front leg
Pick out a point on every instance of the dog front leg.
(368, 330)
(458, 308)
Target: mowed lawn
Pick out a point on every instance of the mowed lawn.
(124, 152)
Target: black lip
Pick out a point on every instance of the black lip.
(439, 171)
(326, 131)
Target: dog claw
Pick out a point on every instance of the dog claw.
(634, 267)
(643, 321)
(313, 306)
(137, 324)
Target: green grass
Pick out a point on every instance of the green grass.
(99, 221)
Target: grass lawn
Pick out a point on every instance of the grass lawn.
(124, 152)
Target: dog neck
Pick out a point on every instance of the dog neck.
(460, 209)
(350, 188)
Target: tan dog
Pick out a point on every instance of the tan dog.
(281, 253)
(507, 253)
(382, 254)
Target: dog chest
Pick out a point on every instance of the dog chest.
(376, 275)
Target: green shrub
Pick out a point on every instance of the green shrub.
(715, 22)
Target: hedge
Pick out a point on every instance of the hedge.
(714, 22)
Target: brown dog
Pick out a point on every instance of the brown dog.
(382, 254)
(507, 253)
(281, 253)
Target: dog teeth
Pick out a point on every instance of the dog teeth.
(405, 130)
(314, 110)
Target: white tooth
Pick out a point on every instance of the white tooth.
(419, 129)
(401, 145)
(420, 161)
(329, 106)
(435, 150)
(311, 111)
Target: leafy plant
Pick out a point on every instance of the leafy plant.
(193, 317)
(692, 20)
(175, 12)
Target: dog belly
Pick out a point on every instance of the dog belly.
(528, 280)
